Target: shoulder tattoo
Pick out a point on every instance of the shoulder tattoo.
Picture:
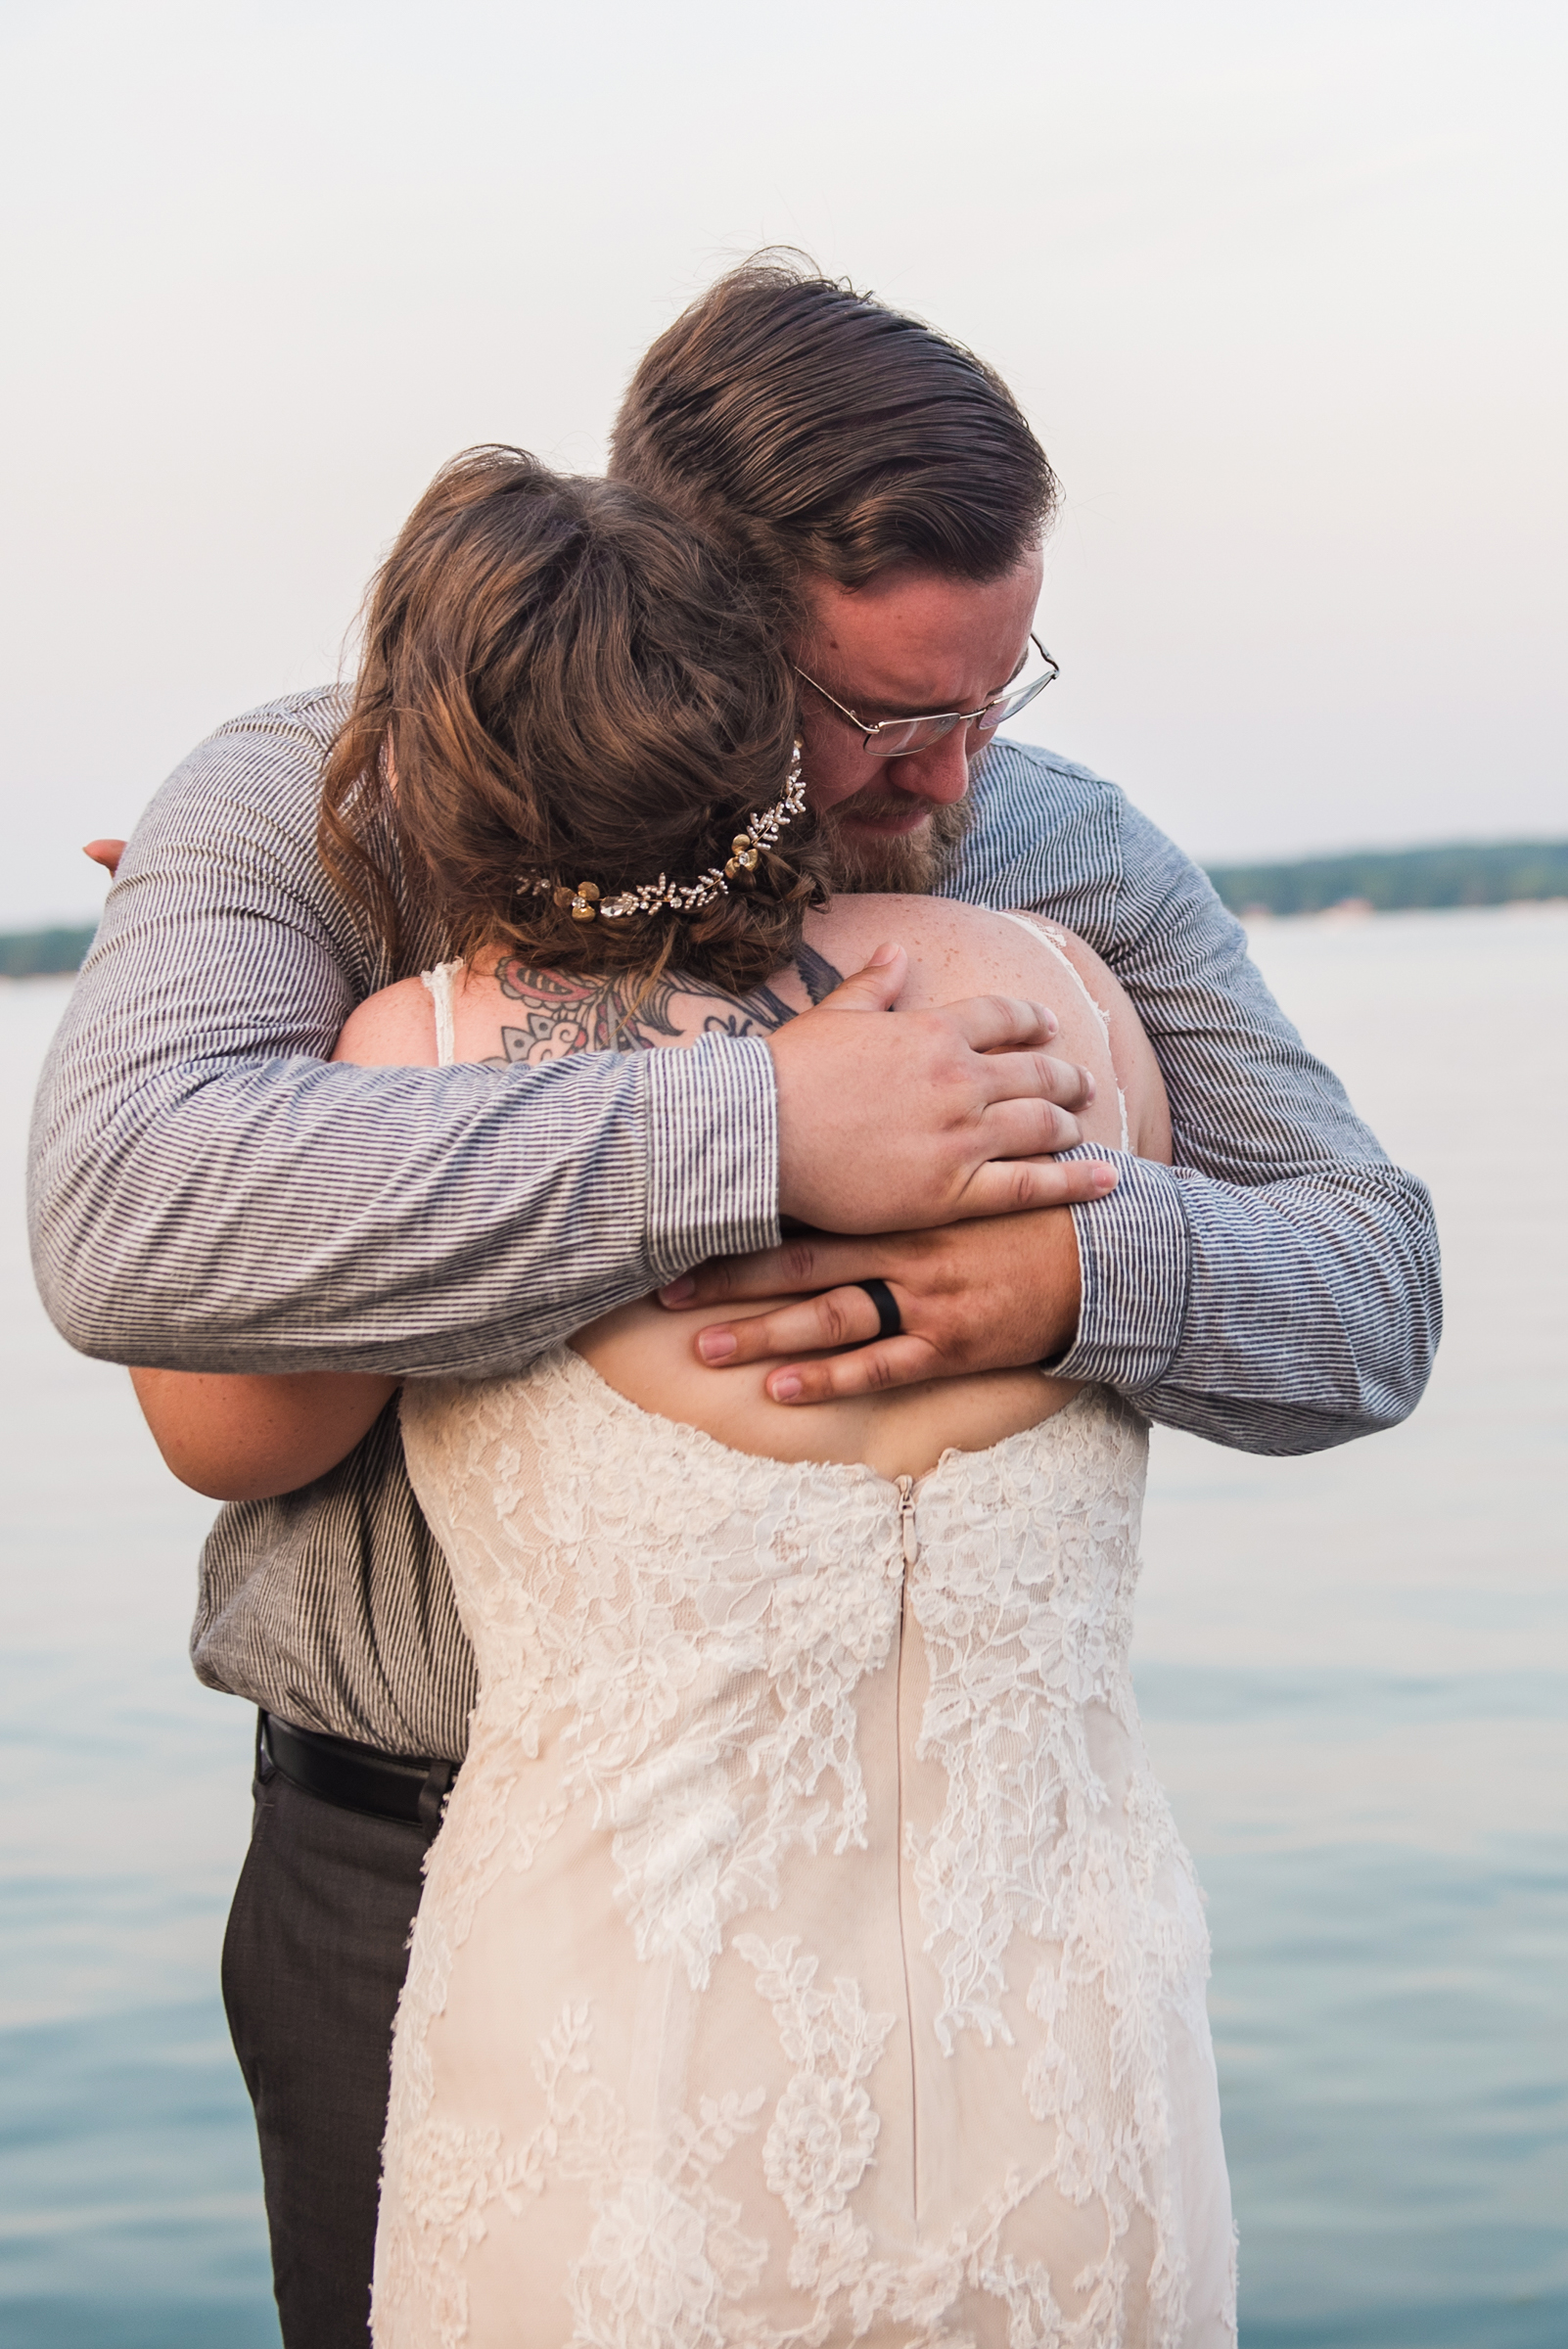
(558, 1012)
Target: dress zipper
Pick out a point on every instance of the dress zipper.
(906, 1523)
(911, 1552)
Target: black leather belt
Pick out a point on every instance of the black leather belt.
(356, 1778)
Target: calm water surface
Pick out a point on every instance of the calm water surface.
(1354, 1669)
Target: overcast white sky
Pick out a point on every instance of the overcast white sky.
(1280, 287)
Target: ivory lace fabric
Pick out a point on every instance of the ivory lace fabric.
(808, 1956)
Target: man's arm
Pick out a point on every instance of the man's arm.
(1279, 1288)
(1275, 1290)
(208, 1193)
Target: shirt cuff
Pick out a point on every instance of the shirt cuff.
(1135, 1249)
(713, 1152)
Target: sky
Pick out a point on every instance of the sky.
(1281, 288)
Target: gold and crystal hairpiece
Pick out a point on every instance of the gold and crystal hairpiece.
(586, 904)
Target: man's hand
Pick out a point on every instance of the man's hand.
(992, 1295)
(107, 853)
(920, 1118)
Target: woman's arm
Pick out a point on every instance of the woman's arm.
(246, 1438)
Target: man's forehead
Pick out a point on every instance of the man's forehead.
(914, 640)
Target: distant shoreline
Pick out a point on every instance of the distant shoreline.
(1506, 872)
(44, 953)
(1470, 873)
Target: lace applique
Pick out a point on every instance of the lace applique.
(667, 2263)
(447, 2176)
(824, 2130)
(1032, 1840)
(690, 1663)
(1024, 1630)
(708, 1637)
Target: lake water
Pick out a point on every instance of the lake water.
(1354, 1669)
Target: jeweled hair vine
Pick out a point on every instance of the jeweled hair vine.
(587, 902)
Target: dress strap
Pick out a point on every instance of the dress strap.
(437, 985)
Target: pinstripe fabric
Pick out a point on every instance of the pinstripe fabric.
(207, 1193)
(1277, 1289)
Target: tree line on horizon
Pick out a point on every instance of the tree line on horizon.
(1502, 872)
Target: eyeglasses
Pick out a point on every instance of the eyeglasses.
(899, 737)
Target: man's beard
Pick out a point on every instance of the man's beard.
(915, 862)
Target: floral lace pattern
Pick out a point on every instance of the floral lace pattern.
(785, 1847)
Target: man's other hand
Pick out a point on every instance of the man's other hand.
(107, 853)
(993, 1295)
(914, 1119)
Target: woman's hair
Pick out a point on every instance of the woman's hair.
(561, 682)
(814, 428)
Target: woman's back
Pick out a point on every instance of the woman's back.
(502, 1014)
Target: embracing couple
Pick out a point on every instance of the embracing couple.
(806, 1953)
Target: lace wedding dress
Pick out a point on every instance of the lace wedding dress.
(808, 1956)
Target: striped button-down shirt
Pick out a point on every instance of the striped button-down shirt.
(208, 1193)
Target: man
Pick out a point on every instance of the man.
(209, 1195)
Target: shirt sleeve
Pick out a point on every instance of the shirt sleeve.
(1277, 1289)
(207, 1193)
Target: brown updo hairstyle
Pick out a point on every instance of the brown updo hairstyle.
(560, 681)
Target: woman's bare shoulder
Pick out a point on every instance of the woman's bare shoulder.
(947, 941)
(954, 948)
(392, 1030)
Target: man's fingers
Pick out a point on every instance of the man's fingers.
(1024, 1126)
(839, 1314)
(876, 986)
(1034, 1077)
(1000, 1023)
(994, 1293)
(1011, 1186)
(906, 1099)
(107, 853)
(906, 1361)
(830, 1260)
(843, 1316)
(814, 1261)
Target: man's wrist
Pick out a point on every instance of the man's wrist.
(712, 1153)
(1134, 1254)
(1062, 1287)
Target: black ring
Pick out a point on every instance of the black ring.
(890, 1322)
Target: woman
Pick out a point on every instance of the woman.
(808, 1954)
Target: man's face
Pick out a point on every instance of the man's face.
(912, 642)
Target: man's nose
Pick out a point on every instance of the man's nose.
(939, 772)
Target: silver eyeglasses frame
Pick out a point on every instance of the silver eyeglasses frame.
(1005, 704)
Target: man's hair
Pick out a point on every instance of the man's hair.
(561, 681)
(814, 429)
